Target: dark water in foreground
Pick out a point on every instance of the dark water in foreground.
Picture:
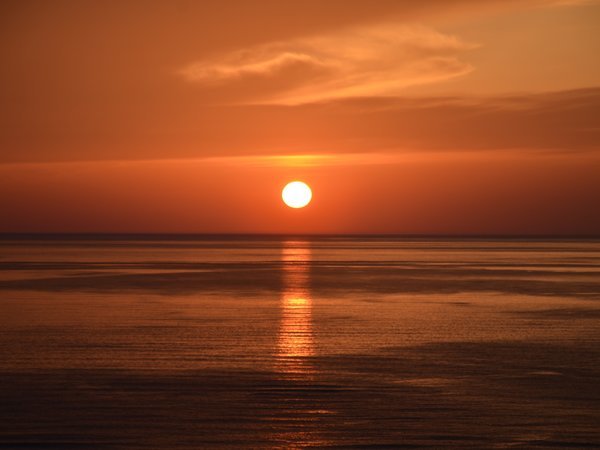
(294, 343)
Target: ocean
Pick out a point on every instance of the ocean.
(190, 342)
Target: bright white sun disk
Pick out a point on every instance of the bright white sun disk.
(296, 194)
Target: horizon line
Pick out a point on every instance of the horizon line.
(206, 235)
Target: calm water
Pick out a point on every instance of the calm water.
(294, 343)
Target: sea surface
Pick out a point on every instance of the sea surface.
(191, 342)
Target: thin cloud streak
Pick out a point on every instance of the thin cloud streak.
(257, 161)
(561, 121)
(361, 61)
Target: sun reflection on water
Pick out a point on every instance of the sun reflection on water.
(295, 343)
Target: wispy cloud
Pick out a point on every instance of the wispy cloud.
(365, 61)
(249, 66)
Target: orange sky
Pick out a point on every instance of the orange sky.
(404, 117)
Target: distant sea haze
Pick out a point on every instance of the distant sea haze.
(187, 342)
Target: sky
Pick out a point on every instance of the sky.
(412, 117)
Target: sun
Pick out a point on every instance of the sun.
(296, 194)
